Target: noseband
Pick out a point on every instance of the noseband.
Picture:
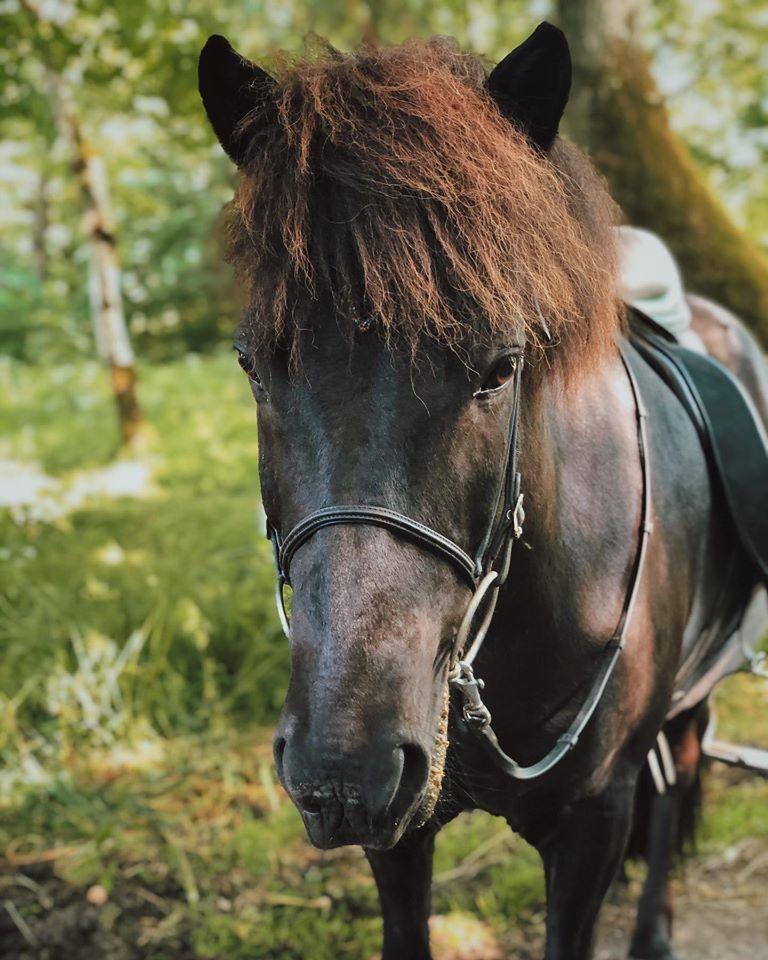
(486, 572)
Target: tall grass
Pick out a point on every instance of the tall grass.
(184, 565)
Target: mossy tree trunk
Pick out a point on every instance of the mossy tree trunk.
(619, 116)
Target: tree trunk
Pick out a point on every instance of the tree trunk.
(110, 331)
(618, 115)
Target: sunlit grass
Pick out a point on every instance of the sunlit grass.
(187, 565)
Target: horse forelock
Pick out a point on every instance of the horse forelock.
(386, 185)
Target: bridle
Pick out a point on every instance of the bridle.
(486, 573)
(486, 570)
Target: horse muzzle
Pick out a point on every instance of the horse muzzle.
(365, 798)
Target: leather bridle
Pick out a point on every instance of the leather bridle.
(486, 572)
(490, 562)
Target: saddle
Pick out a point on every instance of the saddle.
(728, 425)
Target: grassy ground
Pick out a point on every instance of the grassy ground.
(141, 668)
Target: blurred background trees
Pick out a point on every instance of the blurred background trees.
(620, 114)
(671, 96)
(113, 184)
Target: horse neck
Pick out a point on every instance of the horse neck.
(581, 482)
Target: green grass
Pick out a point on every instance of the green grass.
(189, 565)
(142, 666)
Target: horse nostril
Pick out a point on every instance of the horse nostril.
(310, 806)
(413, 778)
(279, 750)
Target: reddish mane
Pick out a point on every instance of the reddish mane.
(386, 184)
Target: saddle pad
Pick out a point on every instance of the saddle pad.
(730, 428)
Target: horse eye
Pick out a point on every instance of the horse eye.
(247, 365)
(499, 376)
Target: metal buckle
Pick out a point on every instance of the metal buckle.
(518, 517)
(463, 679)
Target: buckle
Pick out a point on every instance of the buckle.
(518, 517)
(474, 711)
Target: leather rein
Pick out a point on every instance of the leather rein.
(486, 573)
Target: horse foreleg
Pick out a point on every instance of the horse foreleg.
(581, 859)
(404, 880)
(653, 926)
(672, 817)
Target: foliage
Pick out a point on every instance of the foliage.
(711, 63)
(656, 182)
(131, 67)
(185, 563)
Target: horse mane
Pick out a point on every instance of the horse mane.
(386, 185)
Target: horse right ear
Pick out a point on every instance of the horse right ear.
(531, 84)
(230, 87)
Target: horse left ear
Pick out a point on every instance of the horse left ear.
(230, 87)
(531, 84)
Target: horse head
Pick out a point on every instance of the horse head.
(404, 225)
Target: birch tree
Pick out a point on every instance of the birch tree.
(111, 335)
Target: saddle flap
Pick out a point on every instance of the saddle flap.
(730, 428)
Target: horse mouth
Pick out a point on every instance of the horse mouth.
(338, 824)
(338, 812)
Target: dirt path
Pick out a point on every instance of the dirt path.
(721, 910)
(708, 930)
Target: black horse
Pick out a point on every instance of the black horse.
(433, 340)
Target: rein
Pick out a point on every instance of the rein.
(486, 573)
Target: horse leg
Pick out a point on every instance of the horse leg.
(653, 925)
(404, 880)
(671, 817)
(581, 859)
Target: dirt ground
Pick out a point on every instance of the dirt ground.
(721, 910)
(721, 913)
(714, 929)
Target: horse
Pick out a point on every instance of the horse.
(459, 448)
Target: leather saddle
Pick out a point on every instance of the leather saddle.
(728, 424)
